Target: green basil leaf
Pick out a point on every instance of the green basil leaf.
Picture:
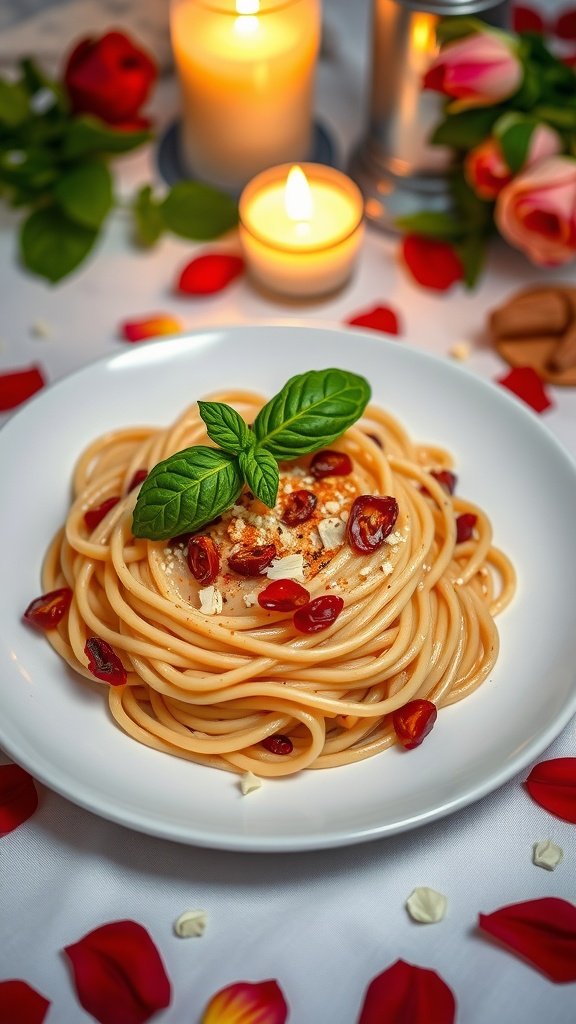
(311, 411)
(431, 224)
(53, 246)
(149, 223)
(260, 471)
(186, 491)
(226, 427)
(194, 210)
(86, 135)
(85, 193)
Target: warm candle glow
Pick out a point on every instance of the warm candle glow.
(298, 196)
(423, 34)
(247, 6)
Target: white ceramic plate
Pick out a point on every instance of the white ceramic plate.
(57, 726)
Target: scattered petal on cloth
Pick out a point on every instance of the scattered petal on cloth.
(525, 383)
(542, 931)
(433, 264)
(151, 327)
(209, 273)
(526, 19)
(407, 994)
(565, 27)
(118, 973)
(18, 385)
(18, 798)
(246, 1002)
(21, 1004)
(552, 784)
(379, 318)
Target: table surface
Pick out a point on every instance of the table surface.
(323, 923)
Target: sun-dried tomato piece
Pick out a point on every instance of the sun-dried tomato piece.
(94, 516)
(465, 526)
(318, 614)
(103, 662)
(413, 722)
(283, 596)
(299, 507)
(330, 463)
(203, 559)
(49, 609)
(138, 478)
(446, 478)
(278, 744)
(251, 561)
(372, 518)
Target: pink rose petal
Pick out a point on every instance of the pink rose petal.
(378, 318)
(21, 1004)
(543, 932)
(552, 784)
(18, 798)
(209, 273)
(118, 974)
(407, 994)
(18, 385)
(524, 382)
(246, 1002)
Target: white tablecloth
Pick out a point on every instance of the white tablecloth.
(323, 923)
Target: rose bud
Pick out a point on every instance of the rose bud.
(536, 211)
(485, 166)
(479, 70)
(111, 78)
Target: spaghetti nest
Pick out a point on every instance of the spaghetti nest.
(417, 620)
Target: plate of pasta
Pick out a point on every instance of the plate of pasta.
(282, 588)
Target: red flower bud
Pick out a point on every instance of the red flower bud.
(111, 78)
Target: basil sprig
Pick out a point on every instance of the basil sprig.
(192, 487)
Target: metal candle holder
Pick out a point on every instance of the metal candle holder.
(398, 171)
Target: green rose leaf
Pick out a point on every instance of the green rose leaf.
(51, 245)
(84, 193)
(149, 223)
(226, 427)
(311, 411)
(514, 133)
(197, 211)
(260, 471)
(431, 224)
(86, 135)
(449, 30)
(466, 129)
(14, 108)
(472, 252)
(186, 491)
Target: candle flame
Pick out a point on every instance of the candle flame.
(297, 196)
(247, 6)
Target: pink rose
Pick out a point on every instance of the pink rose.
(478, 71)
(486, 169)
(536, 211)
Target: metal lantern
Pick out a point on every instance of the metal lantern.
(397, 169)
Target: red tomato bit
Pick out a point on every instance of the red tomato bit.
(278, 744)
(138, 478)
(330, 463)
(465, 526)
(371, 519)
(203, 559)
(299, 507)
(103, 662)
(413, 722)
(49, 609)
(94, 516)
(283, 596)
(318, 614)
(251, 561)
(446, 478)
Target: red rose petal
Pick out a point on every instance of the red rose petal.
(18, 385)
(18, 798)
(379, 318)
(407, 994)
(150, 327)
(118, 974)
(565, 26)
(542, 931)
(524, 382)
(552, 784)
(247, 1002)
(20, 1003)
(433, 264)
(209, 273)
(526, 19)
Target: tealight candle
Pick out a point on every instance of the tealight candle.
(246, 72)
(301, 228)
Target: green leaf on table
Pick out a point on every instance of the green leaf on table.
(197, 211)
(311, 411)
(85, 135)
(186, 491)
(465, 129)
(431, 224)
(260, 471)
(84, 193)
(449, 30)
(226, 427)
(514, 132)
(51, 245)
(148, 219)
(14, 104)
